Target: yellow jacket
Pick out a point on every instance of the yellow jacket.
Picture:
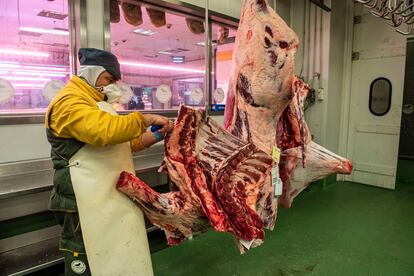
(73, 113)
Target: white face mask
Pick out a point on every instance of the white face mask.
(118, 93)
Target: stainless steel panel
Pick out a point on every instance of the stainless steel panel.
(14, 168)
(24, 205)
(22, 184)
(31, 258)
(12, 119)
(29, 177)
(29, 238)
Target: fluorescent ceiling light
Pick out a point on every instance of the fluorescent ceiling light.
(51, 14)
(166, 52)
(23, 53)
(161, 67)
(25, 78)
(173, 51)
(47, 68)
(17, 69)
(28, 85)
(5, 65)
(33, 73)
(44, 31)
(9, 66)
(145, 32)
(203, 43)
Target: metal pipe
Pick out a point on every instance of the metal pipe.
(73, 36)
(363, 1)
(321, 5)
(316, 46)
(106, 26)
(207, 78)
(305, 42)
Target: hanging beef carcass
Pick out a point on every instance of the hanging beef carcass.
(217, 181)
(157, 17)
(224, 181)
(261, 85)
(302, 161)
(195, 26)
(223, 34)
(114, 11)
(132, 13)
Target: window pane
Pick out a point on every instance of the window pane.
(380, 96)
(34, 53)
(223, 44)
(162, 61)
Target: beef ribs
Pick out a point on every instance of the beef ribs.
(217, 178)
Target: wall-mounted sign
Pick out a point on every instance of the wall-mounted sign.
(6, 91)
(178, 59)
(196, 95)
(219, 95)
(51, 88)
(163, 93)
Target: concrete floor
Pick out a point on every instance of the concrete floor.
(344, 229)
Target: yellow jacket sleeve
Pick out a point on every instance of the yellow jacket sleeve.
(74, 117)
(136, 144)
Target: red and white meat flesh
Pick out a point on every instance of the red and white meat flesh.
(261, 85)
(302, 161)
(217, 178)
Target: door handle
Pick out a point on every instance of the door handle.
(408, 109)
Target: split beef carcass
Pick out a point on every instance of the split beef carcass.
(302, 161)
(157, 17)
(114, 13)
(261, 85)
(217, 180)
(195, 26)
(132, 13)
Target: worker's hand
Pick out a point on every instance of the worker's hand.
(152, 119)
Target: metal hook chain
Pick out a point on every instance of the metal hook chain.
(398, 13)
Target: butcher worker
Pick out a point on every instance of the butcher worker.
(103, 233)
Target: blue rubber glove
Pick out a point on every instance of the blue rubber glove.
(154, 128)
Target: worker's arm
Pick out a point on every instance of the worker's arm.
(74, 117)
(146, 140)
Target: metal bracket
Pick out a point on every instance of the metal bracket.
(321, 4)
(355, 55)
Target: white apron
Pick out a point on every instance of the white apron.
(113, 228)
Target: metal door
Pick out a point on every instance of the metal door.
(375, 111)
